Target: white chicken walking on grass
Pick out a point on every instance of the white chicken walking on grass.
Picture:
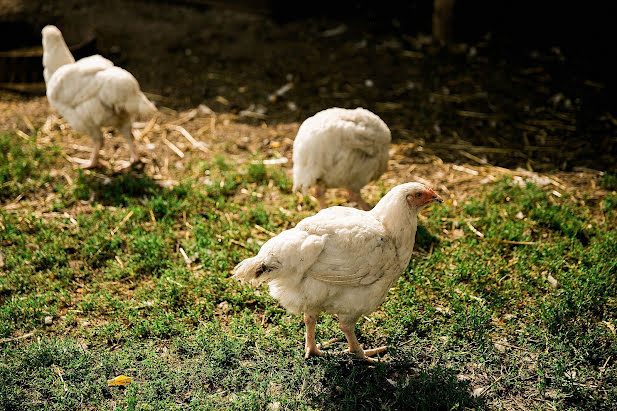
(340, 147)
(91, 93)
(341, 261)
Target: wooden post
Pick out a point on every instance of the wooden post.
(443, 15)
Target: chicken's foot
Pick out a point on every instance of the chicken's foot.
(311, 348)
(356, 197)
(320, 195)
(354, 346)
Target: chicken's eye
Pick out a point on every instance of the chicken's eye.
(419, 195)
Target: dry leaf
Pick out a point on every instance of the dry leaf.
(120, 380)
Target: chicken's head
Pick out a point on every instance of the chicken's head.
(50, 34)
(418, 195)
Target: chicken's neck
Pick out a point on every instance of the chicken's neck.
(401, 223)
(54, 57)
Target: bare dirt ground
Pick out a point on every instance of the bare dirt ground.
(488, 101)
(167, 145)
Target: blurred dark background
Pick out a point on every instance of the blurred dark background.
(519, 84)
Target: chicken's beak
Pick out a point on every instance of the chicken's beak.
(436, 197)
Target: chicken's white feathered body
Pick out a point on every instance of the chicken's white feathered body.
(91, 93)
(340, 261)
(340, 148)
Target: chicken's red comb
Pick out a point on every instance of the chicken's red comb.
(430, 190)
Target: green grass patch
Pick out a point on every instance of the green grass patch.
(23, 166)
(139, 284)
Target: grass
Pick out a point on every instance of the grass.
(136, 279)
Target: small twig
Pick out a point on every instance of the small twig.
(147, 128)
(474, 230)
(174, 148)
(200, 145)
(465, 170)
(231, 240)
(28, 123)
(252, 114)
(124, 220)
(514, 242)
(514, 346)
(188, 117)
(68, 178)
(22, 134)
(603, 368)
(21, 337)
(263, 230)
(473, 114)
(203, 129)
(58, 371)
(187, 260)
(474, 158)
(175, 282)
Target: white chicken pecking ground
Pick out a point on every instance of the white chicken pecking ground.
(91, 93)
(341, 261)
(340, 147)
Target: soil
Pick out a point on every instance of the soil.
(488, 101)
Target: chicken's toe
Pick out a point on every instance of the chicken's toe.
(367, 354)
(328, 343)
(89, 165)
(312, 352)
(129, 165)
(374, 351)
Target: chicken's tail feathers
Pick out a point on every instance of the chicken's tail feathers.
(145, 106)
(253, 271)
(303, 179)
(137, 104)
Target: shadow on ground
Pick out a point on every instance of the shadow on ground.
(393, 385)
(116, 189)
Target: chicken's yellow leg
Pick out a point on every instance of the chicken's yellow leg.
(310, 346)
(356, 197)
(354, 346)
(320, 195)
(97, 138)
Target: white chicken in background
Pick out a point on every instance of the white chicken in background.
(91, 93)
(340, 261)
(340, 147)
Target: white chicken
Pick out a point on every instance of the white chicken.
(91, 93)
(340, 147)
(340, 261)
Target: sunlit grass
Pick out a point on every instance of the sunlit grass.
(139, 284)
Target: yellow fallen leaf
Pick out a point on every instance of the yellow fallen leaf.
(120, 380)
